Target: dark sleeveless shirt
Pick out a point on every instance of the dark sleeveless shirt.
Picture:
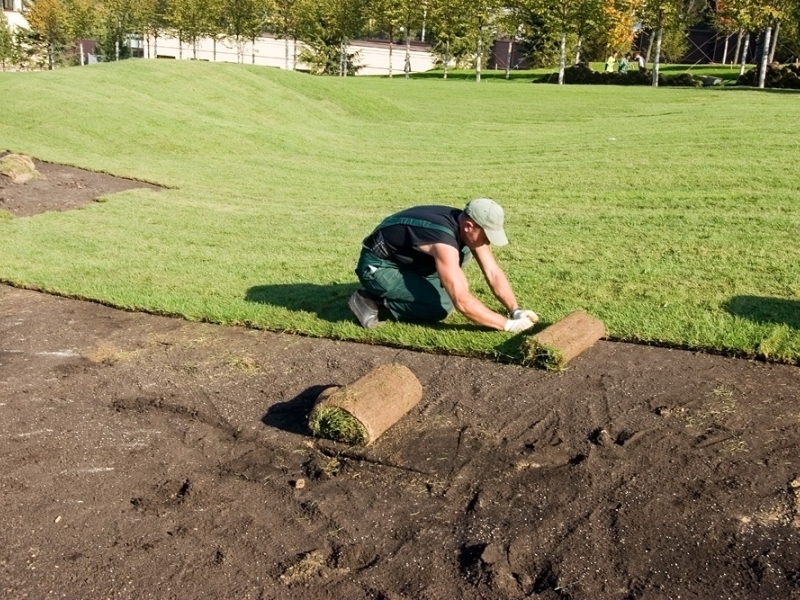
(397, 242)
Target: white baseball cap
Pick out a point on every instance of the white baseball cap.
(489, 215)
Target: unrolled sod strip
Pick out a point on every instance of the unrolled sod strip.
(553, 347)
(360, 412)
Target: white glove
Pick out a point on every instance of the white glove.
(521, 313)
(517, 325)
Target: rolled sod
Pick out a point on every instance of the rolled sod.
(360, 412)
(553, 347)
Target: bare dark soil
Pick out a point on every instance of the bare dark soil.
(147, 457)
(60, 188)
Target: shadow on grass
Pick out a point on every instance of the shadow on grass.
(766, 310)
(292, 415)
(328, 302)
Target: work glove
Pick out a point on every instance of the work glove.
(521, 313)
(517, 325)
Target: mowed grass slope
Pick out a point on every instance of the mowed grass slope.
(671, 214)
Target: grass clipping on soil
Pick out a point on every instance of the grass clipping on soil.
(358, 413)
(553, 347)
(18, 168)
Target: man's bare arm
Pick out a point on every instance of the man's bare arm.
(456, 286)
(495, 277)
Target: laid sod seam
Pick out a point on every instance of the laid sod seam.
(658, 219)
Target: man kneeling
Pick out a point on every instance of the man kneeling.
(412, 265)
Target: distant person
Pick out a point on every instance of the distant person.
(610, 61)
(411, 267)
(640, 61)
(623, 64)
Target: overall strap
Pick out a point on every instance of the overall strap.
(395, 220)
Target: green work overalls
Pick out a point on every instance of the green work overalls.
(409, 296)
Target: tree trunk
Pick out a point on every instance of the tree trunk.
(253, 60)
(391, 45)
(214, 46)
(657, 59)
(80, 46)
(762, 69)
(774, 45)
(116, 48)
(725, 51)
(479, 59)
(649, 48)
(194, 49)
(509, 57)
(180, 48)
(294, 52)
(446, 57)
(746, 45)
(562, 55)
(407, 67)
(286, 52)
(578, 51)
(735, 59)
(344, 58)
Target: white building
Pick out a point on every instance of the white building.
(13, 12)
(272, 52)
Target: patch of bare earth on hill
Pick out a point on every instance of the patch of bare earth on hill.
(148, 457)
(59, 188)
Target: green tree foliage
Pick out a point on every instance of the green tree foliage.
(192, 20)
(670, 16)
(328, 27)
(150, 18)
(116, 21)
(7, 54)
(481, 18)
(448, 27)
(49, 24)
(244, 20)
(569, 19)
(397, 20)
(286, 23)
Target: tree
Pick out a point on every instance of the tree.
(723, 21)
(286, 23)
(391, 17)
(448, 27)
(191, 20)
(659, 15)
(116, 22)
(571, 16)
(328, 27)
(6, 42)
(49, 23)
(81, 21)
(244, 20)
(150, 20)
(481, 17)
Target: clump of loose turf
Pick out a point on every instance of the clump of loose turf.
(339, 425)
(18, 168)
(542, 355)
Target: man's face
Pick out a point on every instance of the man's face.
(473, 234)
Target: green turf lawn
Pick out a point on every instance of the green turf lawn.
(671, 214)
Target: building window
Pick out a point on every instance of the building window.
(8, 4)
